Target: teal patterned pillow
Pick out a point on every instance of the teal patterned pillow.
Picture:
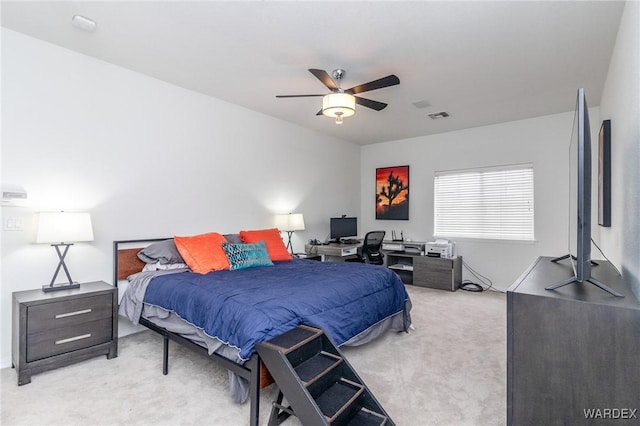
(247, 255)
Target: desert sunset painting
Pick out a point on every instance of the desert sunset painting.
(392, 193)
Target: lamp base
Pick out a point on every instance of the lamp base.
(56, 287)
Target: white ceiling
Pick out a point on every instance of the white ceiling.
(482, 62)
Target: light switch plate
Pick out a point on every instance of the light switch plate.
(12, 224)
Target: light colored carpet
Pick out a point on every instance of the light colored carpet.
(450, 370)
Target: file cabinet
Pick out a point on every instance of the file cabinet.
(433, 272)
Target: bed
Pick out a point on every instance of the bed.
(225, 313)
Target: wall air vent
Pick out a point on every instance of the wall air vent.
(438, 115)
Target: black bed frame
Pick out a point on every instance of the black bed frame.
(250, 370)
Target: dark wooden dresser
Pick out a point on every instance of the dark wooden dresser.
(573, 354)
(55, 329)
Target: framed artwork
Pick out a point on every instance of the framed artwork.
(392, 193)
(604, 174)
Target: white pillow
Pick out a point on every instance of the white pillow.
(163, 266)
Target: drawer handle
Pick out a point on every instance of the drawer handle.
(70, 314)
(73, 339)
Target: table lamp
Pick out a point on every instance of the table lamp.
(62, 229)
(290, 223)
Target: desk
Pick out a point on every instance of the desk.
(333, 252)
(338, 252)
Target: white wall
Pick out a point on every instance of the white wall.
(621, 104)
(542, 141)
(147, 159)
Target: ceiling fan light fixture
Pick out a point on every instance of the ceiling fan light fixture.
(340, 103)
(338, 106)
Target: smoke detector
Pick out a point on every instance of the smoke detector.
(84, 23)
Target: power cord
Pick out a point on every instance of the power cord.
(471, 286)
(484, 285)
(605, 256)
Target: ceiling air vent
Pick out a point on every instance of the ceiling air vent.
(421, 104)
(438, 115)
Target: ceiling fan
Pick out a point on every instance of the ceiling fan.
(341, 103)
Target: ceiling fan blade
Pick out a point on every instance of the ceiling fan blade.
(324, 78)
(378, 106)
(390, 80)
(295, 96)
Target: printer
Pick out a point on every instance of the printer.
(439, 248)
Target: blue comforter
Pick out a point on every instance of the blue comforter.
(248, 306)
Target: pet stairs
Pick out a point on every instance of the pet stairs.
(320, 385)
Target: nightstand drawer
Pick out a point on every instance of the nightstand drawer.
(66, 313)
(66, 339)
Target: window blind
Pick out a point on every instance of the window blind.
(490, 203)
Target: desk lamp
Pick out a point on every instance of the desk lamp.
(62, 229)
(290, 223)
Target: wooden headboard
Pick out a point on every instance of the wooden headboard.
(125, 257)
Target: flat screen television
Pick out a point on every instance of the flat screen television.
(343, 228)
(580, 201)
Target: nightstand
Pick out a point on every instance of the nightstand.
(55, 329)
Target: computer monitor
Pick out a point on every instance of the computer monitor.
(343, 227)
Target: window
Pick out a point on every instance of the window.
(490, 203)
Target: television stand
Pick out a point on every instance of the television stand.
(570, 350)
(590, 280)
(567, 256)
(574, 279)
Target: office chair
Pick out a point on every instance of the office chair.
(371, 248)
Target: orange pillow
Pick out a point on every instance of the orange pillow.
(275, 246)
(203, 253)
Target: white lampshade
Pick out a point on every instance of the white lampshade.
(63, 227)
(290, 222)
(338, 105)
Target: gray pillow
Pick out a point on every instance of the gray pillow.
(163, 251)
(233, 238)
